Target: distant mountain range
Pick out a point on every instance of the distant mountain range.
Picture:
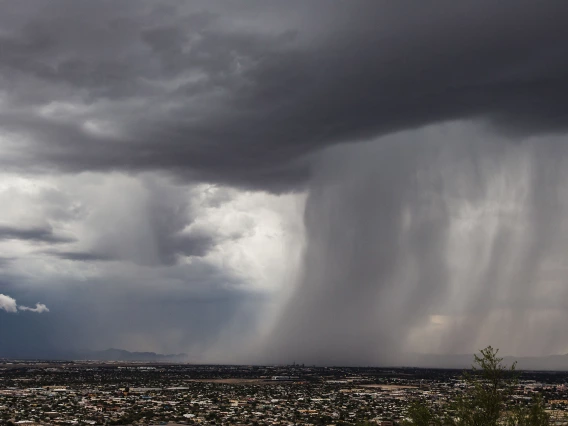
(104, 355)
(552, 362)
(463, 361)
(122, 355)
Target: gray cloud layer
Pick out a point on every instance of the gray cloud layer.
(197, 91)
(36, 234)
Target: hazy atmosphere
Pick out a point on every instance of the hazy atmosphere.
(325, 182)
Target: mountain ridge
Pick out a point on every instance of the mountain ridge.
(114, 354)
(464, 361)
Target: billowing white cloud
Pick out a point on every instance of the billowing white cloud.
(40, 307)
(8, 304)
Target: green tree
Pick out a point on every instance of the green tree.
(485, 400)
(531, 415)
(421, 415)
(488, 387)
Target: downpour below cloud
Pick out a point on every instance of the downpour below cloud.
(439, 240)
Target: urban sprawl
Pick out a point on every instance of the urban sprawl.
(112, 393)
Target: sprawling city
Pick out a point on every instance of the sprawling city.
(115, 393)
(284, 212)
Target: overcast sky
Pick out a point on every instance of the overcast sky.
(249, 181)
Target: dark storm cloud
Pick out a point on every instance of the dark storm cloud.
(79, 256)
(198, 245)
(33, 234)
(211, 93)
(153, 225)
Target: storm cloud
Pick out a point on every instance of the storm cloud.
(167, 149)
(195, 90)
(40, 234)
